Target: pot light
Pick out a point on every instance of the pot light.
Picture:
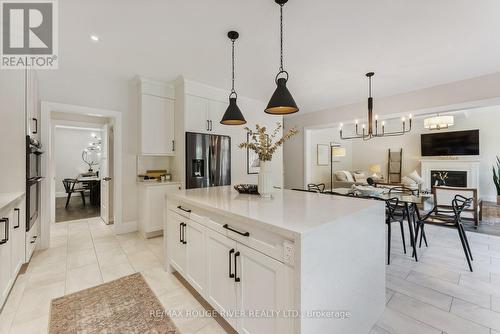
(94, 38)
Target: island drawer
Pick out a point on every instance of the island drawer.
(268, 242)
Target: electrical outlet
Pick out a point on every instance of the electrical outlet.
(289, 252)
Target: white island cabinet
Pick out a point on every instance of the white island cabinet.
(296, 263)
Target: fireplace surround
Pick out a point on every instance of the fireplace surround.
(455, 167)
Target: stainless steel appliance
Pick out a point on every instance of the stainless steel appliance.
(33, 180)
(208, 160)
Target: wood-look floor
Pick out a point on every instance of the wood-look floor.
(75, 209)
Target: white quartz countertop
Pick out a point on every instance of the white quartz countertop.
(7, 198)
(292, 211)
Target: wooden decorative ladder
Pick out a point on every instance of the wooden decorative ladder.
(395, 165)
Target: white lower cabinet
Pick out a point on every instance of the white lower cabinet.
(152, 207)
(12, 246)
(236, 280)
(194, 242)
(264, 285)
(221, 287)
(5, 255)
(175, 246)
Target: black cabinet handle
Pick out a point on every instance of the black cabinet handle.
(6, 230)
(173, 145)
(236, 278)
(208, 125)
(180, 232)
(185, 210)
(245, 234)
(34, 239)
(231, 275)
(184, 233)
(18, 217)
(211, 125)
(36, 126)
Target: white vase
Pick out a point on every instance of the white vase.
(265, 186)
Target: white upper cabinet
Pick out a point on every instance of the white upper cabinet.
(203, 115)
(196, 114)
(31, 104)
(156, 119)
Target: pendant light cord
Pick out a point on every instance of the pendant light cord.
(232, 71)
(281, 38)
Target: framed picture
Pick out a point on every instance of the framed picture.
(252, 160)
(322, 154)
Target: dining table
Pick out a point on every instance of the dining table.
(93, 183)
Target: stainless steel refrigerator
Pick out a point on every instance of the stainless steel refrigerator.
(208, 160)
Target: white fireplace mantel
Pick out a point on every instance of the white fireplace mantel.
(471, 166)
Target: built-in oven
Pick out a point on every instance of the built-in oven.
(33, 187)
(33, 156)
(33, 180)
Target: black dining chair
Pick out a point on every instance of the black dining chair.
(412, 208)
(392, 215)
(318, 187)
(69, 187)
(451, 219)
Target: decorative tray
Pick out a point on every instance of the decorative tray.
(250, 189)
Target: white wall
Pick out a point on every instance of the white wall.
(321, 174)
(480, 91)
(68, 147)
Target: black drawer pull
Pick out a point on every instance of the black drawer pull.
(231, 275)
(36, 126)
(180, 233)
(184, 233)
(185, 210)
(236, 278)
(34, 239)
(6, 230)
(18, 217)
(245, 234)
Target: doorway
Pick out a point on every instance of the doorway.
(82, 161)
(89, 141)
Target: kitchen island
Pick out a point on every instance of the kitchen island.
(298, 262)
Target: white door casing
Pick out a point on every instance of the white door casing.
(104, 174)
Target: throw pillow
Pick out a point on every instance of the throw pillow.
(408, 182)
(349, 176)
(415, 177)
(340, 176)
(360, 177)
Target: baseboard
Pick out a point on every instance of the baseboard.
(125, 227)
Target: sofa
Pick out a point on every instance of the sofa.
(346, 179)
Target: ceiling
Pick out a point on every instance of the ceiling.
(329, 44)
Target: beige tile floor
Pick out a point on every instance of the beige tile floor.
(436, 295)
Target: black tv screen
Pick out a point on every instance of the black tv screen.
(450, 143)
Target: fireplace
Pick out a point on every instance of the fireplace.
(449, 178)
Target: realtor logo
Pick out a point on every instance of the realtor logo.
(29, 34)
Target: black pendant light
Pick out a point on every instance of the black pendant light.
(233, 115)
(282, 102)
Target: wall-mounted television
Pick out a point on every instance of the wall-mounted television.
(450, 143)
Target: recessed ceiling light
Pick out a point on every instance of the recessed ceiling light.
(94, 38)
